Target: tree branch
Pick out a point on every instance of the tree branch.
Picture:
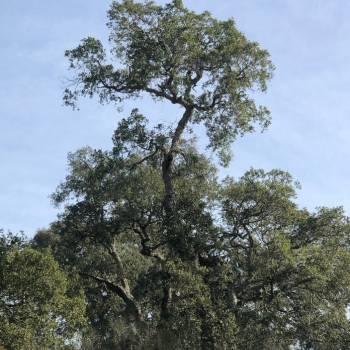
(125, 295)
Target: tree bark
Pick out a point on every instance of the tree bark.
(131, 305)
(167, 165)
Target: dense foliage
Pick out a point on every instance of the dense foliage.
(38, 309)
(152, 249)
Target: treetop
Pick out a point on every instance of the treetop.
(205, 65)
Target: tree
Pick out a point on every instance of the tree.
(291, 276)
(169, 256)
(251, 272)
(204, 65)
(115, 234)
(37, 309)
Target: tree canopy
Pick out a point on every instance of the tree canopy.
(152, 248)
(193, 60)
(38, 308)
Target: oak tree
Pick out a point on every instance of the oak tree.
(169, 255)
(38, 308)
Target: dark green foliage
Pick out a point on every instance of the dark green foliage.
(192, 60)
(168, 255)
(245, 268)
(37, 308)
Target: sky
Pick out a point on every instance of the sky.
(309, 43)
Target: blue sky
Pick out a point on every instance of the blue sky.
(309, 43)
